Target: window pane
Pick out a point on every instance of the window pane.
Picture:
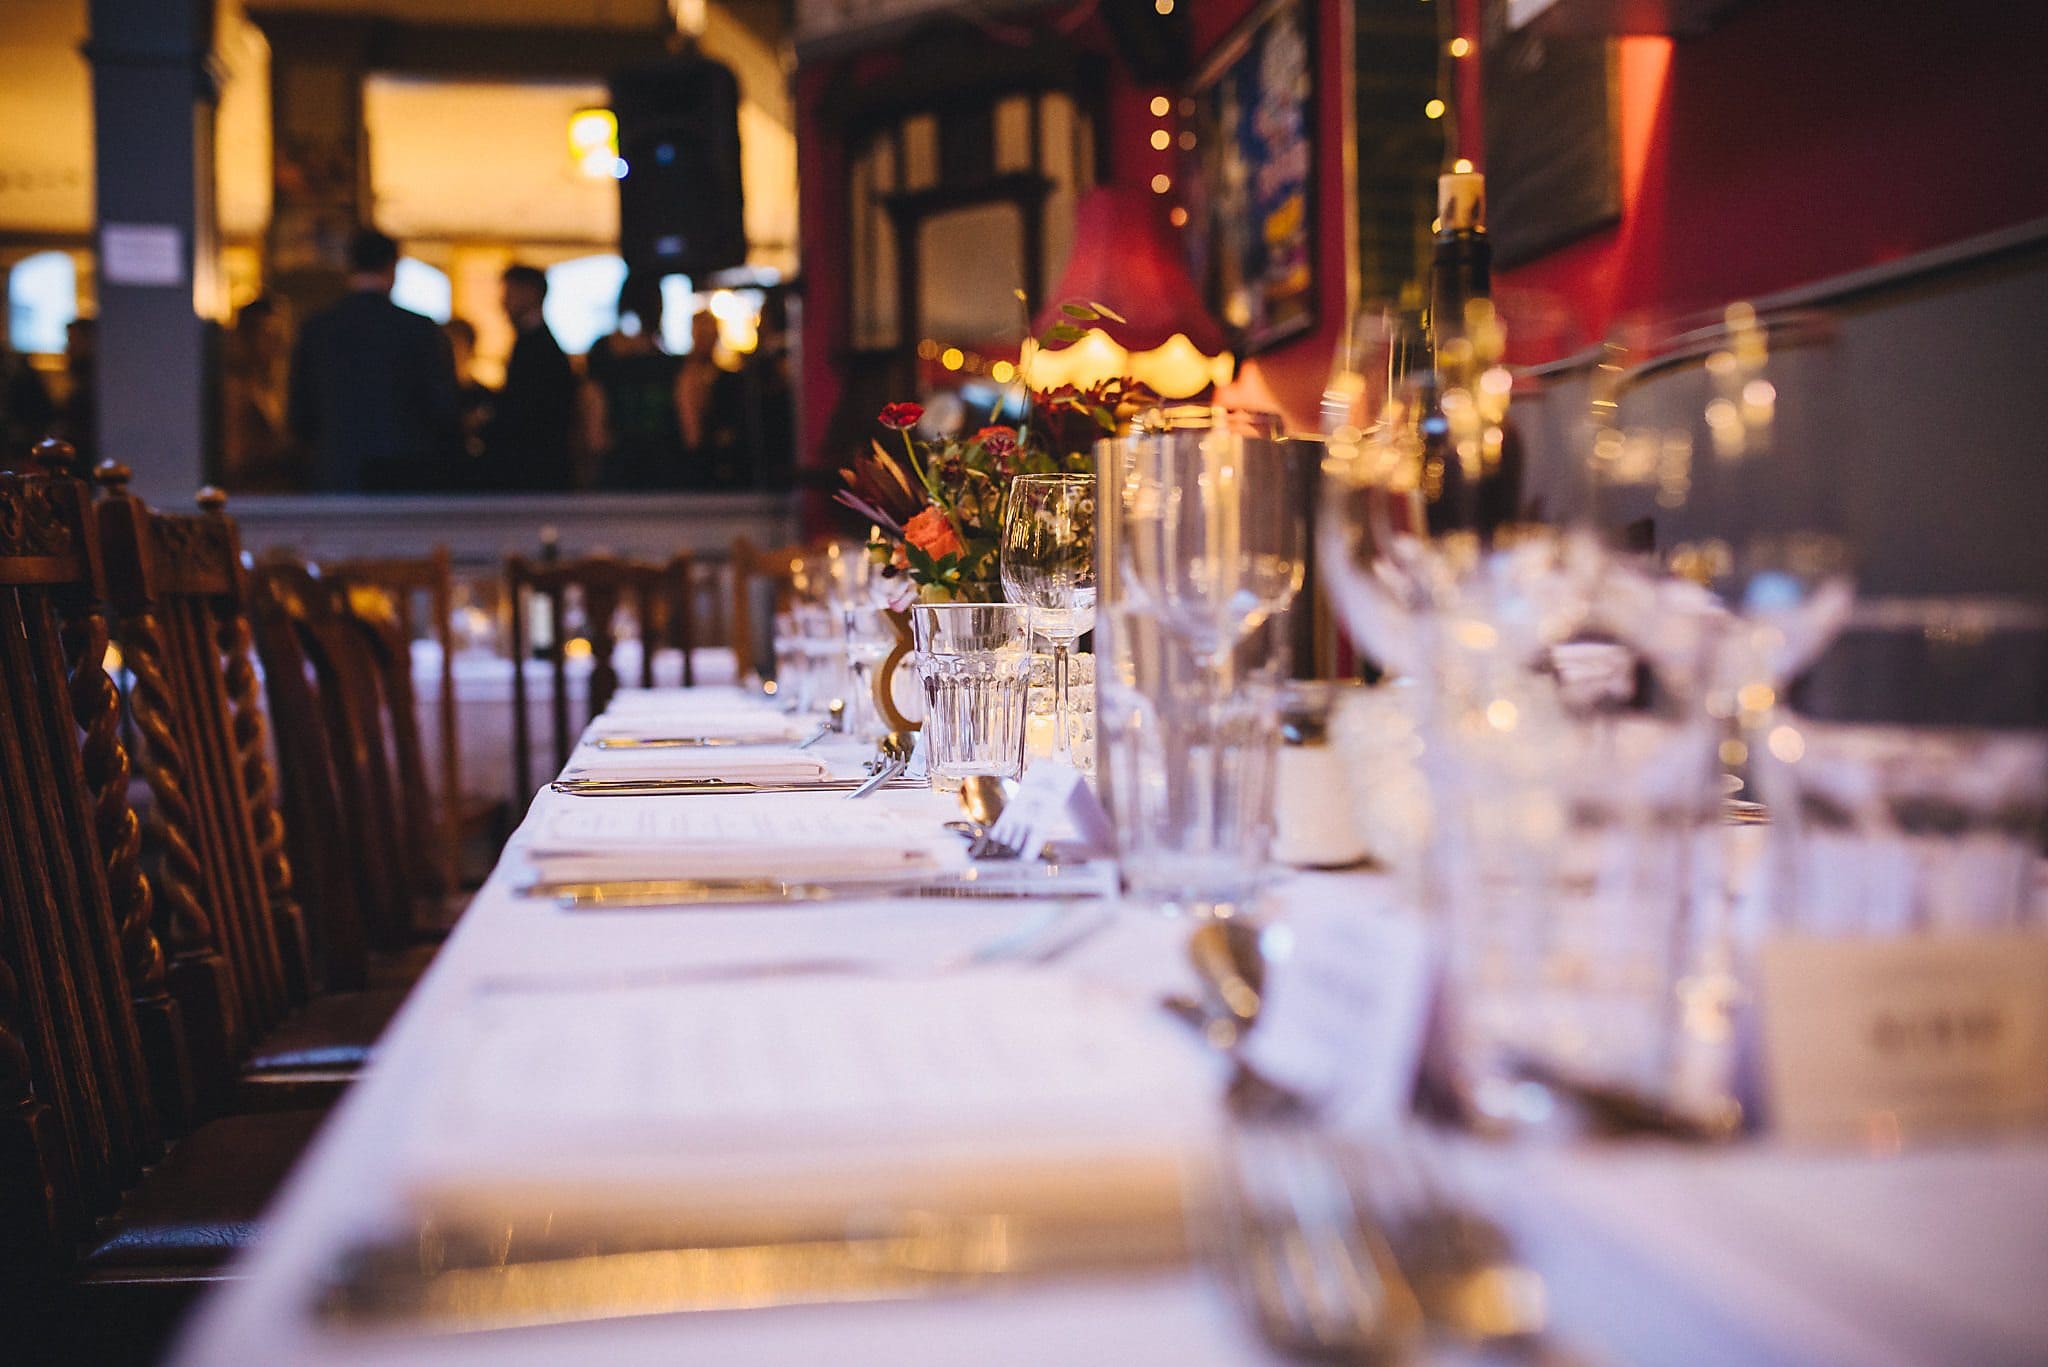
(971, 263)
(42, 299)
(583, 300)
(423, 289)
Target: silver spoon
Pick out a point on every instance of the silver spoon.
(1227, 959)
(983, 797)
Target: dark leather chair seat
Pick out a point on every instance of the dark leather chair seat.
(400, 969)
(200, 1205)
(333, 1031)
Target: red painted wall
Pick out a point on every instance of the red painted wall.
(1802, 139)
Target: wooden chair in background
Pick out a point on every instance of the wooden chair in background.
(751, 568)
(604, 585)
(389, 588)
(358, 782)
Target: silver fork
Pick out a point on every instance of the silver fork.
(1005, 839)
(1304, 1252)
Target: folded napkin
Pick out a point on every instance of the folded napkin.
(803, 838)
(733, 727)
(739, 764)
(806, 1094)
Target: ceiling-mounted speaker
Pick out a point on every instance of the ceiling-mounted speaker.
(680, 205)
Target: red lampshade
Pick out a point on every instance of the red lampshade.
(1125, 255)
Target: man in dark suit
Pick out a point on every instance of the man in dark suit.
(528, 446)
(373, 391)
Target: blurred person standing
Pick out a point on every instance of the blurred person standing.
(255, 375)
(25, 407)
(710, 409)
(528, 445)
(630, 411)
(373, 385)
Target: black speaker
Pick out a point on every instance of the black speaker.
(680, 206)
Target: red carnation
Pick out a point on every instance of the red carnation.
(902, 415)
(1000, 442)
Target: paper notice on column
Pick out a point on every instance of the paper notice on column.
(142, 254)
(800, 1092)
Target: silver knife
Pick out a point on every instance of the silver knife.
(671, 892)
(672, 742)
(627, 787)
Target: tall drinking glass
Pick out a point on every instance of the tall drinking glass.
(1048, 563)
(974, 663)
(868, 641)
(1203, 544)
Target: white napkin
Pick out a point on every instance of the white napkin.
(739, 764)
(733, 726)
(803, 837)
(809, 1092)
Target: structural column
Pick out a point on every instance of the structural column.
(153, 104)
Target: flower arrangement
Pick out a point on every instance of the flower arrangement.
(936, 505)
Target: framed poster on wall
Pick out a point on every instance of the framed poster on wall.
(1248, 183)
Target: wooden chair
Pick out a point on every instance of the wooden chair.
(224, 883)
(751, 567)
(390, 586)
(605, 584)
(348, 673)
(105, 1234)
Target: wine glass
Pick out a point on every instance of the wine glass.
(1048, 564)
(1718, 448)
(1210, 530)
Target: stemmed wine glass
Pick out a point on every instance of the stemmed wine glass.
(1211, 531)
(1048, 564)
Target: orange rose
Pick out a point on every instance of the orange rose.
(931, 533)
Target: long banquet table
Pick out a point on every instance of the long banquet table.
(1650, 1253)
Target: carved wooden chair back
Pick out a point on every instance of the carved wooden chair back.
(752, 567)
(92, 1068)
(408, 583)
(177, 588)
(355, 725)
(376, 617)
(605, 584)
(324, 840)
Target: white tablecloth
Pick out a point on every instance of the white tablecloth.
(1652, 1255)
(483, 694)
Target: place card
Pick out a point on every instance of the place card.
(1883, 1039)
(1050, 794)
(1345, 1004)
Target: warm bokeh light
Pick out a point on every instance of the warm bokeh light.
(1178, 217)
(1160, 139)
(1434, 109)
(1161, 183)
(1002, 372)
(953, 358)
(1461, 47)
(1462, 166)
(1160, 104)
(1163, 6)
